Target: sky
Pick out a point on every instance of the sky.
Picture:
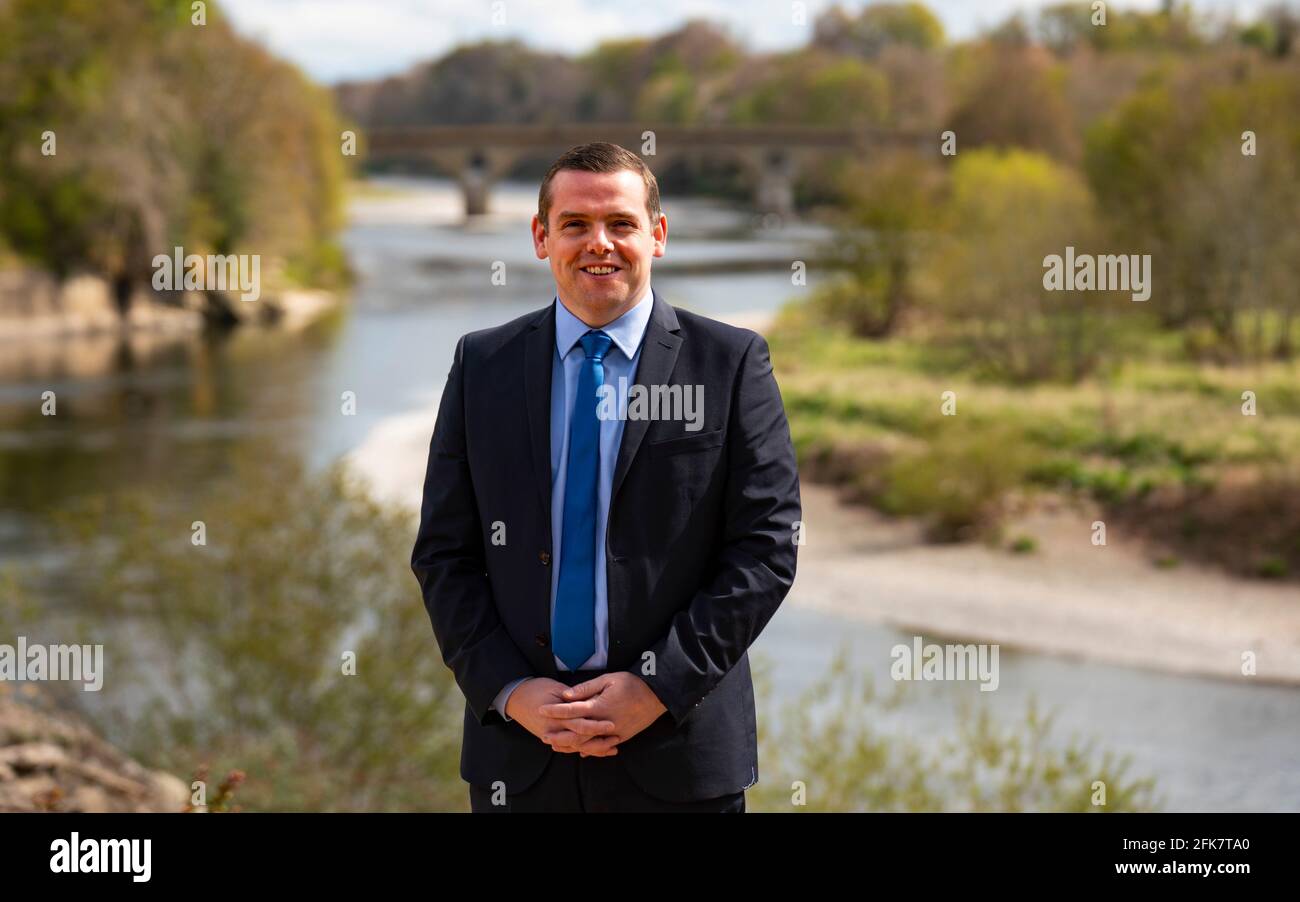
(338, 40)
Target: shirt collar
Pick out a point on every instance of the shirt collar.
(626, 331)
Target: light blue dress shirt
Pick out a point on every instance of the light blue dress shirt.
(627, 332)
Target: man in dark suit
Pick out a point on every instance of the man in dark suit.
(609, 520)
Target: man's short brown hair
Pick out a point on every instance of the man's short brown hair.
(600, 156)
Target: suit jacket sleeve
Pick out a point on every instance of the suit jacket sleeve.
(756, 564)
(448, 560)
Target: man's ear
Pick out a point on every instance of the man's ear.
(539, 238)
(661, 235)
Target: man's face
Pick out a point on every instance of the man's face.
(598, 221)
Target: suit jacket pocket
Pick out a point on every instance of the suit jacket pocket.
(699, 441)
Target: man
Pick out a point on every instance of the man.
(594, 570)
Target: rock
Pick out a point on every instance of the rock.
(35, 305)
(91, 799)
(31, 756)
(52, 761)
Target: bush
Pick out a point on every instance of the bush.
(230, 655)
(960, 481)
(831, 741)
(1006, 214)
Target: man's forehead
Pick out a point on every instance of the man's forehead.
(593, 190)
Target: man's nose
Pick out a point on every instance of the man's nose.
(599, 242)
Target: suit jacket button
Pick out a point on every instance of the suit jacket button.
(540, 639)
(545, 558)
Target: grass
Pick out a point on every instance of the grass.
(1160, 442)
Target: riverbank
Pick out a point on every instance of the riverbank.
(1067, 597)
(1197, 461)
(36, 307)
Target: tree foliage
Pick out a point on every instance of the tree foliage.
(166, 133)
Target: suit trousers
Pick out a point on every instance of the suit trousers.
(572, 783)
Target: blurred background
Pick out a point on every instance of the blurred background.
(221, 492)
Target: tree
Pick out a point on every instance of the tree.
(876, 27)
(811, 87)
(1012, 97)
(165, 135)
(1171, 171)
(1006, 212)
(891, 204)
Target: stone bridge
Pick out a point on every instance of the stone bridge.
(773, 155)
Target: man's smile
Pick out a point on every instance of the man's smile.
(601, 271)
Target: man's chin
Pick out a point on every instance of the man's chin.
(606, 296)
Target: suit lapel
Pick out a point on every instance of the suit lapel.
(538, 358)
(658, 357)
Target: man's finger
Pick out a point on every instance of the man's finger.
(562, 738)
(587, 689)
(596, 746)
(587, 726)
(561, 710)
(567, 737)
(570, 739)
(601, 747)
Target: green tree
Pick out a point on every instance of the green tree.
(890, 206)
(1012, 97)
(166, 134)
(876, 27)
(1006, 212)
(1173, 170)
(1065, 27)
(812, 88)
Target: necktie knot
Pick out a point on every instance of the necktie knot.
(595, 345)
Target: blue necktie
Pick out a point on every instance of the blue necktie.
(575, 601)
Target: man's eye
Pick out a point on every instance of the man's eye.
(575, 222)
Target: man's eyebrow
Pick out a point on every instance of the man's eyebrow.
(619, 214)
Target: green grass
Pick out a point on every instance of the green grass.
(1155, 436)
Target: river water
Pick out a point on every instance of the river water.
(167, 413)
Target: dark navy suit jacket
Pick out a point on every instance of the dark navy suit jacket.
(700, 547)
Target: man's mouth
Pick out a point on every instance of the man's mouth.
(603, 271)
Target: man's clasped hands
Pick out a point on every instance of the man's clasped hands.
(591, 718)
